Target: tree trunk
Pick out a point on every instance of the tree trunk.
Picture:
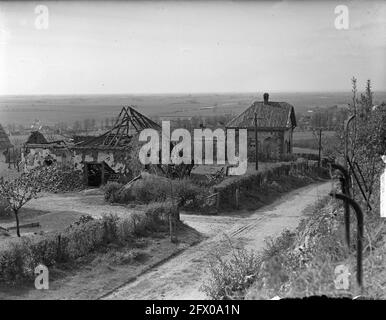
(17, 222)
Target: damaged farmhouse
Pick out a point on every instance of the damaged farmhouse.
(101, 158)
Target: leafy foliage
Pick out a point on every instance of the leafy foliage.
(17, 192)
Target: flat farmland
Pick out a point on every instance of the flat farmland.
(309, 135)
(51, 109)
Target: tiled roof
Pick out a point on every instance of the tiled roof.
(276, 115)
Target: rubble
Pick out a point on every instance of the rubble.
(55, 178)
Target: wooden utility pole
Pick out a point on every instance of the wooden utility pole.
(172, 218)
(256, 145)
(320, 147)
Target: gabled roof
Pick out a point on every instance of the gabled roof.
(271, 115)
(36, 137)
(128, 123)
(4, 139)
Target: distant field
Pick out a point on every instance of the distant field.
(306, 135)
(309, 140)
(53, 109)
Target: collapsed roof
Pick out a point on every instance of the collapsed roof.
(128, 123)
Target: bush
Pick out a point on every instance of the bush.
(111, 191)
(159, 212)
(11, 264)
(152, 188)
(19, 260)
(188, 192)
(78, 240)
(264, 157)
(110, 227)
(125, 229)
(230, 279)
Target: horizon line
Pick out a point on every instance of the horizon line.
(178, 93)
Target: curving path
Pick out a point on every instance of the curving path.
(182, 276)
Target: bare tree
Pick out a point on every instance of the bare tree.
(369, 143)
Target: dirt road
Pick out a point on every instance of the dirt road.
(182, 276)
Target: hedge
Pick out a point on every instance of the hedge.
(19, 259)
(226, 189)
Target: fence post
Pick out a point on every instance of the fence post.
(171, 229)
(359, 215)
(237, 196)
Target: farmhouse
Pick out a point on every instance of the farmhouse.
(38, 151)
(275, 124)
(104, 156)
(100, 158)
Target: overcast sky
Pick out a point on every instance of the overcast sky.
(172, 47)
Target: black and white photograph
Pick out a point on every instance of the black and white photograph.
(205, 153)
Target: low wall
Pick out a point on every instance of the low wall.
(37, 155)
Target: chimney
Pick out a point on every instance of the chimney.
(266, 97)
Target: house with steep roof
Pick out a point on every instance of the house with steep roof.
(275, 124)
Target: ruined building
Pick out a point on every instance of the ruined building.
(101, 158)
(109, 153)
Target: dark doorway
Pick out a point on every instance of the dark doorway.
(97, 173)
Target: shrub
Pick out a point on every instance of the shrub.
(18, 261)
(153, 188)
(43, 250)
(230, 279)
(188, 192)
(124, 195)
(78, 240)
(111, 191)
(140, 223)
(276, 246)
(125, 230)
(12, 268)
(159, 212)
(110, 227)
